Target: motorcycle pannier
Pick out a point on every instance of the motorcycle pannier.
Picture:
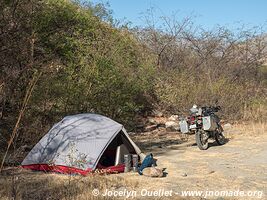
(209, 123)
(184, 126)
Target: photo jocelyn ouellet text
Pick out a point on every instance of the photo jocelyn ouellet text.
(169, 193)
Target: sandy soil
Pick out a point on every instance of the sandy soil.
(240, 164)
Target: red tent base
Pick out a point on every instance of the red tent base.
(72, 170)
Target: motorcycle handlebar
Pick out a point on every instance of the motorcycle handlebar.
(212, 108)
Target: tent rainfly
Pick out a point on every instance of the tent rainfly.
(80, 144)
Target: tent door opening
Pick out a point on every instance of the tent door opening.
(114, 154)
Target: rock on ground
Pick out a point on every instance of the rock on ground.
(153, 172)
(173, 118)
(172, 125)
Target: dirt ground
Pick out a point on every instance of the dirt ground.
(240, 164)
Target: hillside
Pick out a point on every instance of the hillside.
(64, 57)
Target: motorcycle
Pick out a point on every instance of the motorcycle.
(205, 124)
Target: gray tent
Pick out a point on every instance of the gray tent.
(81, 143)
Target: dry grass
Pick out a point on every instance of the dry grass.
(24, 184)
(248, 129)
(253, 128)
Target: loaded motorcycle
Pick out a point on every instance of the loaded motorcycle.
(205, 124)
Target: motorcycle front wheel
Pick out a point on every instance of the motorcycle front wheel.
(219, 137)
(202, 139)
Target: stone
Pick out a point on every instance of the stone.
(153, 172)
(184, 174)
(228, 125)
(160, 121)
(151, 120)
(171, 125)
(151, 128)
(173, 118)
(211, 172)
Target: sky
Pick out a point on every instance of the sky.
(205, 13)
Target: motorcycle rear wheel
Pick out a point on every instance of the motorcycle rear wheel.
(219, 137)
(202, 139)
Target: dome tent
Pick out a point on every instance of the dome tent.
(82, 143)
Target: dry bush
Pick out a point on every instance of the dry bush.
(256, 110)
(252, 129)
(178, 91)
(201, 66)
